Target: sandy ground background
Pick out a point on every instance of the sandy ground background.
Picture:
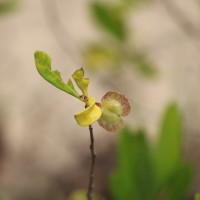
(38, 129)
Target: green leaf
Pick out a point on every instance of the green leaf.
(167, 152)
(110, 18)
(43, 65)
(134, 176)
(197, 196)
(179, 185)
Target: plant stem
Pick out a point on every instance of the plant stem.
(93, 158)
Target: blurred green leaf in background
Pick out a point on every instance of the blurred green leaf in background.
(197, 196)
(147, 172)
(7, 6)
(101, 56)
(80, 195)
(135, 3)
(167, 153)
(110, 17)
(134, 177)
(142, 64)
(116, 47)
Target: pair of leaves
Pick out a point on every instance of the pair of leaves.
(146, 173)
(43, 64)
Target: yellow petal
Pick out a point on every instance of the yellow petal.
(81, 81)
(90, 115)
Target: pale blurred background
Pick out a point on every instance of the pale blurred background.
(41, 146)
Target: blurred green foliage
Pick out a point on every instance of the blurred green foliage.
(197, 196)
(7, 6)
(142, 63)
(97, 56)
(147, 172)
(110, 18)
(115, 48)
(135, 3)
(80, 195)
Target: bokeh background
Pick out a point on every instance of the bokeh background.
(151, 55)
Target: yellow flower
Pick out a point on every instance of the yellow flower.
(108, 113)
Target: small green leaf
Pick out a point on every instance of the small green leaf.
(109, 17)
(43, 65)
(167, 153)
(197, 196)
(81, 81)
